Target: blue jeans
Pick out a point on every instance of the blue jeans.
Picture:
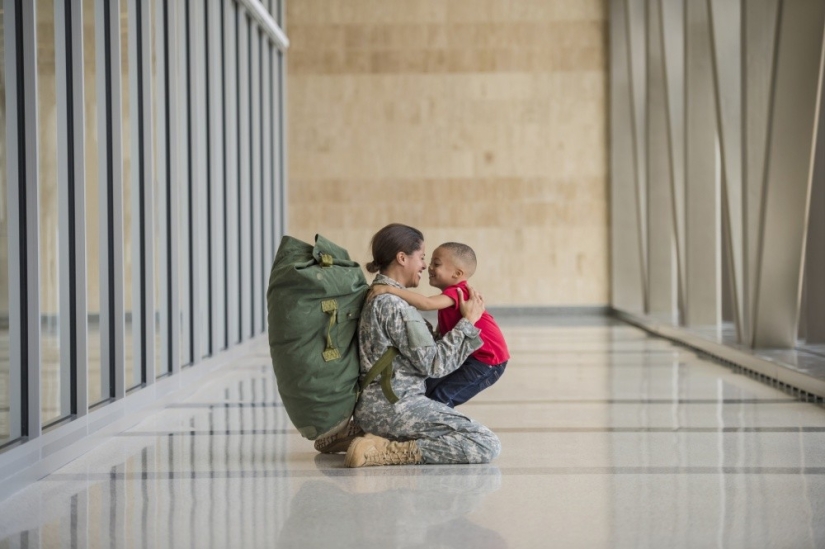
(467, 381)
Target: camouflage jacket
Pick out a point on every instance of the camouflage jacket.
(387, 320)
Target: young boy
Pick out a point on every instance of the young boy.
(450, 267)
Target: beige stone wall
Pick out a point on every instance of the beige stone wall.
(481, 121)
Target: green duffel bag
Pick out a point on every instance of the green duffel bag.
(314, 299)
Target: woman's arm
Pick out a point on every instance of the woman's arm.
(420, 302)
(406, 330)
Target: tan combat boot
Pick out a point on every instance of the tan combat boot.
(338, 441)
(373, 450)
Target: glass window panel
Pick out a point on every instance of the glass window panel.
(232, 150)
(266, 174)
(49, 211)
(5, 381)
(159, 194)
(280, 158)
(184, 218)
(245, 181)
(130, 169)
(219, 181)
(97, 381)
(201, 180)
(255, 237)
(275, 117)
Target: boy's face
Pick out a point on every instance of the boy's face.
(443, 270)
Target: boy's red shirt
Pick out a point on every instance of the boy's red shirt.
(494, 350)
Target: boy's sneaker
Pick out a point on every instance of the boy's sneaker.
(339, 441)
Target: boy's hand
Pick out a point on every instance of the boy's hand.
(378, 289)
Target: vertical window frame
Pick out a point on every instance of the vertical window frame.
(232, 150)
(255, 203)
(217, 171)
(244, 173)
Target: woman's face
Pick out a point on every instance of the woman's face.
(413, 265)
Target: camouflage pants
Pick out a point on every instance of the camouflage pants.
(443, 434)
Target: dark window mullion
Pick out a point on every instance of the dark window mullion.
(72, 251)
(110, 206)
(209, 235)
(262, 44)
(23, 221)
(240, 163)
(190, 184)
(250, 33)
(225, 174)
(273, 68)
(168, 188)
(142, 185)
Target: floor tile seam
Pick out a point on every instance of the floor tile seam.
(529, 347)
(540, 404)
(559, 430)
(207, 405)
(344, 472)
(702, 430)
(632, 401)
(214, 432)
(670, 470)
(544, 363)
(186, 405)
(661, 368)
(555, 351)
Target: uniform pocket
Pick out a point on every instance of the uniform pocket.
(417, 332)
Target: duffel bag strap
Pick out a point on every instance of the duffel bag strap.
(383, 368)
(330, 307)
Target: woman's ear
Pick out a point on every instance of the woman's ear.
(401, 258)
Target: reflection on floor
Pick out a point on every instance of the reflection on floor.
(5, 427)
(52, 373)
(610, 438)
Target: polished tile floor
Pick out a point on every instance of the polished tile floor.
(610, 439)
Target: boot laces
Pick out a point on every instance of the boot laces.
(393, 455)
(351, 430)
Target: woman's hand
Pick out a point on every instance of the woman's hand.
(473, 307)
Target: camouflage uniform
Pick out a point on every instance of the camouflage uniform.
(443, 434)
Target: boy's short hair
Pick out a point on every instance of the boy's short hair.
(462, 254)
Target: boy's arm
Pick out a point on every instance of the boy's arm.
(420, 302)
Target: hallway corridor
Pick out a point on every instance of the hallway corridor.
(610, 438)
